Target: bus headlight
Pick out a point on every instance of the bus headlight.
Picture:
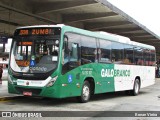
(52, 81)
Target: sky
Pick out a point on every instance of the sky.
(146, 12)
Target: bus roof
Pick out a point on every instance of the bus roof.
(36, 26)
(96, 34)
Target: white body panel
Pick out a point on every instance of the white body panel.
(146, 74)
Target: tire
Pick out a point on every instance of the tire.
(85, 93)
(136, 87)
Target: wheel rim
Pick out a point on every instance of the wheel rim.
(136, 87)
(86, 92)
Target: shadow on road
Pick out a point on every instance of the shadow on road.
(41, 101)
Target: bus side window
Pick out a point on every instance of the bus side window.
(88, 50)
(138, 56)
(104, 51)
(117, 52)
(70, 55)
(128, 53)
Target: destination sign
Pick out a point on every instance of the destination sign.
(25, 43)
(38, 31)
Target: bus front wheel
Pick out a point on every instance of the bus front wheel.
(85, 93)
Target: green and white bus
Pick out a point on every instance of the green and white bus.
(60, 61)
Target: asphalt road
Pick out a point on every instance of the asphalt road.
(97, 108)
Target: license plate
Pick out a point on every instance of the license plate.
(27, 93)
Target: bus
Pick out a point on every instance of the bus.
(59, 61)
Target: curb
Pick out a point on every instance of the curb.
(5, 98)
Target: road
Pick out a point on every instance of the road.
(147, 100)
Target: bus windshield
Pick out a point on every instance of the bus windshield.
(35, 53)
